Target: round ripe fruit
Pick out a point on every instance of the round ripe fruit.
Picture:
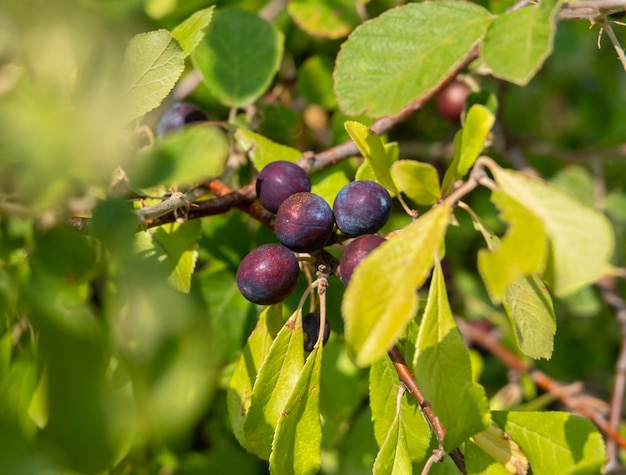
(277, 181)
(355, 251)
(311, 330)
(304, 222)
(268, 274)
(361, 207)
(451, 100)
(178, 115)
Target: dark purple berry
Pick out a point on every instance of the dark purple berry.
(311, 330)
(451, 101)
(304, 222)
(178, 115)
(268, 274)
(361, 207)
(277, 181)
(355, 251)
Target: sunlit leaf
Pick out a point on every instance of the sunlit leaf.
(417, 180)
(518, 42)
(529, 307)
(262, 150)
(239, 392)
(443, 369)
(327, 183)
(404, 53)
(153, 63)
(174, 246)
(503, 449)
(384, 386)
(326, 18)
(393, 457)
(521, 252)
(190, 32)
(469, 143)
(390, 276)
(478, 462)
(581, 239)
(555, 442)
(297, 444)
(238, 56)
(277, 376)
(372, 148)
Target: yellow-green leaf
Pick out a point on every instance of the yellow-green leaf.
(443, 369)
(521, 252)
(373, 150)
(529, 308)
(262, 150)
(239, 392)
(296, 445)
(417, 180)
(495, 442)
(389, 277)
(581, 238)
(153, 62)
(190, 32)
(272, 389)
(469, 142)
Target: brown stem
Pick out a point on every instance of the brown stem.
(612, 298)
(406, 377)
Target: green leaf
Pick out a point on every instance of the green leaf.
(297, 444)
(522, 251)
(239, 392)
(315, 81)
(400, 56)
(469, 143)
(373, 150)
(262, 150)
(183, 157)
(478, 462)
(443, 368)
(278, 374)
(384, 388)
(418, 181)
(555, 442)
(190, 32)
(239, 56)
(581, 239)
(173, 246)
(326, 18)
(518, 42)
(394, 457)
(153, 62)
(327, 183)
(529, 308)
(498, 446)
(390, 276)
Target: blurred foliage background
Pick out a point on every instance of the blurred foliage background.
(104, 368)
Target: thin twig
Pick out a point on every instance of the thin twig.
(577, 403)
(613, 299)
(406, 377)
(606, 26)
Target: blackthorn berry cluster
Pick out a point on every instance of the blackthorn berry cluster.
(305, 223)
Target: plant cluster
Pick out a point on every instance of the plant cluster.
(186, 213)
